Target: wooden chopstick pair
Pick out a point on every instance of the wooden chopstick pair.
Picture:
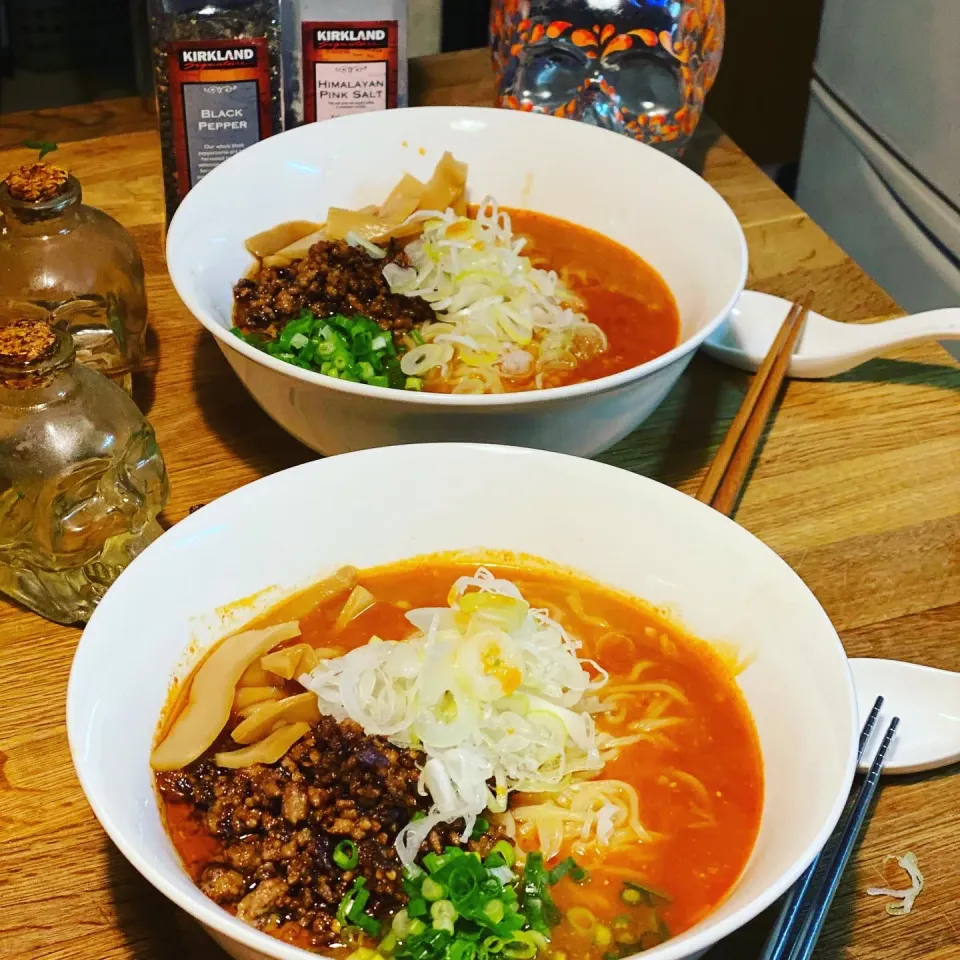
(797, 928)
(805, 908)
(722, 484)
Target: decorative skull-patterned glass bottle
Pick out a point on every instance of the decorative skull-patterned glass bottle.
(640, 67)
(81, 477)
(76, 261)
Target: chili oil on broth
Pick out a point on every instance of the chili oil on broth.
(699, 782)
(622, 294)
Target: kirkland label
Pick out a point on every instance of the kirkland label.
(220, 98)
(349, 67)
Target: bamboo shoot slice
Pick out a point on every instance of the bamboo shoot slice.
(300, 248)
(211, 695)
(404, 199)
(360, 599)
(271, 241)
(300, 708)
(447, 186)
(343, 581)
(256, 676)
(367, 226)
(245, 696)
(286, 663)
(266, 751)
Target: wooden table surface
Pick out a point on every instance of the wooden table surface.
(857, 486)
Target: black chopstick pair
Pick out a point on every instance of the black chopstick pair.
(801, 919)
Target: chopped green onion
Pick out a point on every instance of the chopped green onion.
(368, 924)
(481, 825)
(345, 855)
(494, 911)
(463, 908)
(349, 898)
(433, 862)
(417, 907)
(561, 870)
(349, 348)
(415, 383)
(602, 935)
(389, 943)
(417, 337)
(362, 343)
(443, 914)
(647, 896)
(520, 947)
(356, 908)
(352, 906)
(400, 924)
(432, 890)
(419, 815)
(461, 950)
(505, 850)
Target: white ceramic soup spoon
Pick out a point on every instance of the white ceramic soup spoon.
(928, 702)
(826, 347)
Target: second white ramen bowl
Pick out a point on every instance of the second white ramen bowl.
(624, 189)
(709, 574)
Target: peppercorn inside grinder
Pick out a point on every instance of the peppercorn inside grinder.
(81, 477)
(76, 261)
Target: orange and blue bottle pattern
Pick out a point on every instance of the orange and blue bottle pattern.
(640, 67)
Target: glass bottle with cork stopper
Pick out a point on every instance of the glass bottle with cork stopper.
(76, 261)
(81, 477)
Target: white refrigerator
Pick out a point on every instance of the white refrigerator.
(880, 166)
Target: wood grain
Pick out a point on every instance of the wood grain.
(857, 485)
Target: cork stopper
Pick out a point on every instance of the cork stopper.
(26, 341)
(36, 182)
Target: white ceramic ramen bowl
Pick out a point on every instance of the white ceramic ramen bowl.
(624, 530)
(624, 189)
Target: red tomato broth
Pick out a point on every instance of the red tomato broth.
(694, 865)
(622, 293)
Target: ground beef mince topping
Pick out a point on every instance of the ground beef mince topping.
(277, 826)
(334, 278)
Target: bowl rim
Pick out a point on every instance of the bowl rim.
(471, 401)
(684, 945)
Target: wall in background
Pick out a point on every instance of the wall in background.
(760, 97)
(465, 24)
(425, 27)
